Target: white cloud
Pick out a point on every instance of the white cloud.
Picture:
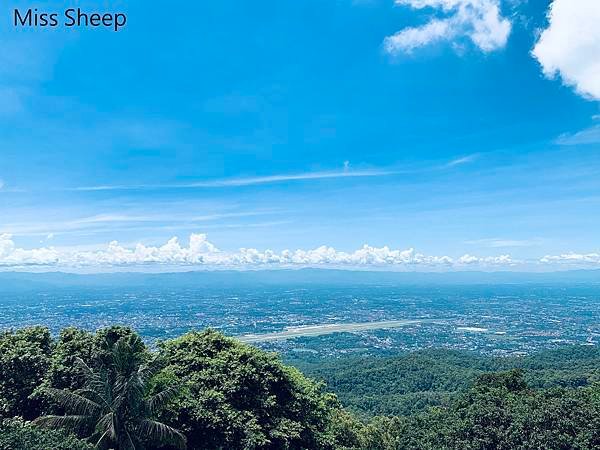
(201, 252)
(577, 259)
(478, 20)
(502, 260)
(570, 46)
(10, 255)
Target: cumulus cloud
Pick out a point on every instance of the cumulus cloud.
(477, 20)
(10, 255)
(199, 251)
(570, 46)
(578, 259)
(502, 260)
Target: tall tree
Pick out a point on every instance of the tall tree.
(113, 408)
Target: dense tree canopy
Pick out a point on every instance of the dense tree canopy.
(500, 412)
(412, 382)
(222, 394)
(238, 397)
(24, 360)
(15, 434)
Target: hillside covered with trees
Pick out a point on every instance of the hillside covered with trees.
(203, 390)
(409, 383)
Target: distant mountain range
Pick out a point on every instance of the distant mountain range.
(10, 281)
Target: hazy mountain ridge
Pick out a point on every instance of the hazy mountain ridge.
(31, 280)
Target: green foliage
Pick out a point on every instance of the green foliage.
(500, 412)
(112, 405)
(72, 343)
(573, 366)
(24, 360)
(16, 434)
(94, 349)
(411, 383)
(223, 394)
(238, 397)
(399, 385)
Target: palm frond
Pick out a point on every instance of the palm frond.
(157, 401)
(93, 380)
(130, 386)
(106, 424)
(151, 429)
(106, 429)
(95, 396)
(104, 440)
(112, 404)
(125, 356)
(148, 370)
(73, 422)
(73, 402)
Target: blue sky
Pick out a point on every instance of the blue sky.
(294, 125)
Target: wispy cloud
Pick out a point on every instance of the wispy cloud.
(248, 181)
(101, 223)
(478, 20)
(588, 136)
(346, 172)
(293, 177)
(463, 160)
(504, 243)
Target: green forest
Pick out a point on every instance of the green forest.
(203, 390)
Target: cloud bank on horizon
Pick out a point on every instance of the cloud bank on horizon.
(200, 252)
